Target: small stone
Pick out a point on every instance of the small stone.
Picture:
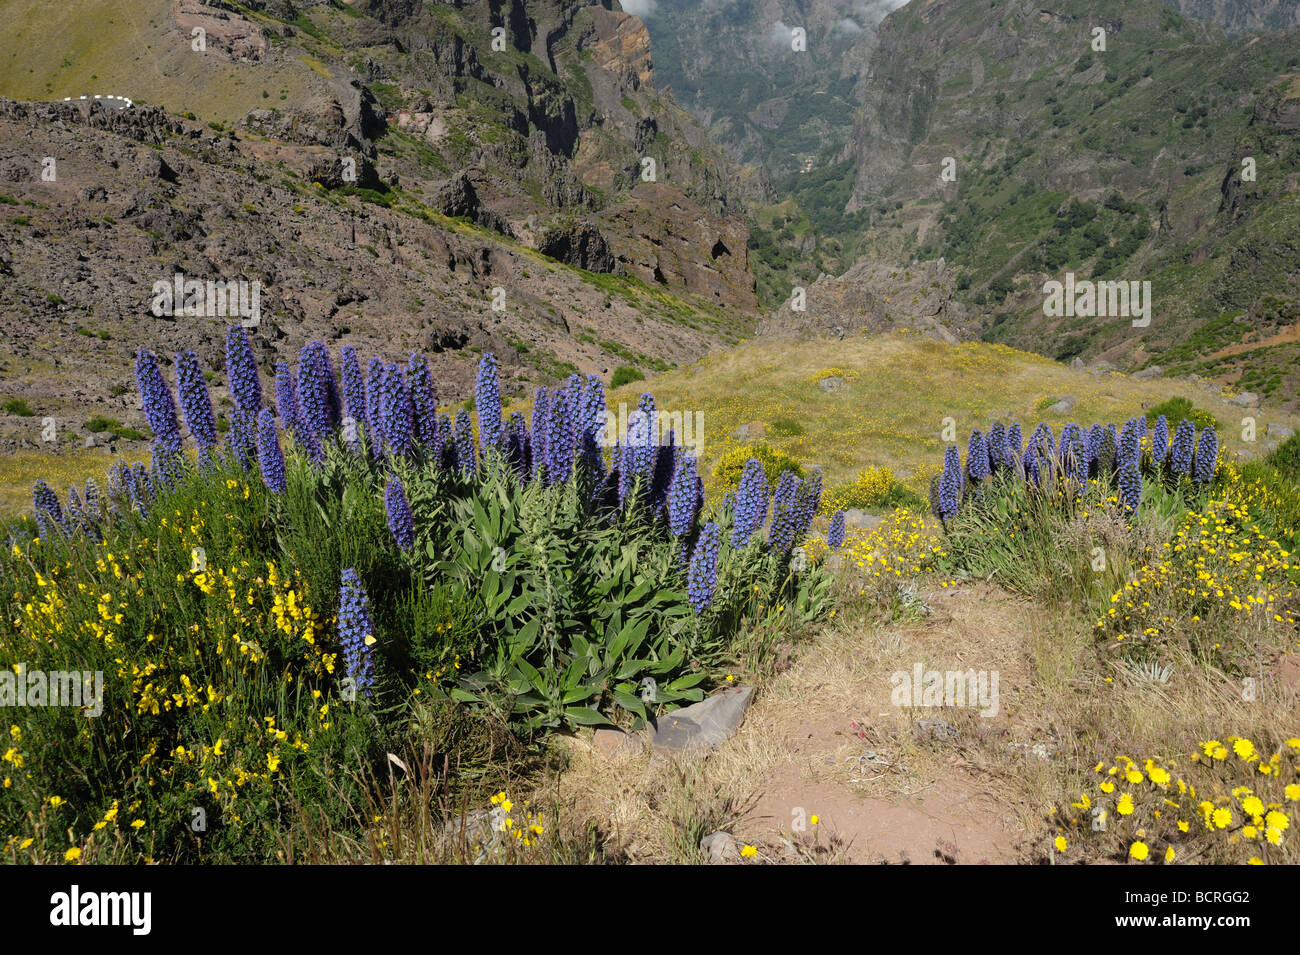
(832, 383)
(720, 848)
(1279, 431)
(1064, 405)
(611, 742)
(476, 824)
(936, 729)
(857, 517)
(1077, 364)
(1247, 399)
(1155, 371)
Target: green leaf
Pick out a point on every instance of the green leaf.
(579, 693)
(687, 681)
(629, 701)
(584, 716)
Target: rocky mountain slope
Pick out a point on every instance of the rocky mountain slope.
(781, 105)
(1241, 16)
(872, 298)
(998, 138)
(387, 171)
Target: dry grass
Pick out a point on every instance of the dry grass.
(133, 48)
(21, 469)
(898, 390)
(1054, 689)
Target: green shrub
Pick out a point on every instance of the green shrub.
(18, 406)
(624, 374)
(1286, 458)
(1178, 408)
(784, 427)
(101, 424)
(874, 488)
(729, 467)
(520, 606)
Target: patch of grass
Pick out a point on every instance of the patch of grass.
(101, 424)
(892, 415)
(18, 406)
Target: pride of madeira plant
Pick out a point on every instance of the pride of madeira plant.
(271, 611)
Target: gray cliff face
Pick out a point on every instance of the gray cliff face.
(1241, 16)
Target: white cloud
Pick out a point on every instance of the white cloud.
(639, 8)
(779, 34)
(873, 11)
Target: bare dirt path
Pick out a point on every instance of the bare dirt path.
(888, 784)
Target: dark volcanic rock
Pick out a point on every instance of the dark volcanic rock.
(579, 245)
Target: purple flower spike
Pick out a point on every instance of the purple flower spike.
(269, 456)
(159, 407)
(424, 404)
(241, 373)
(196, 402)
(702, 574)
(356, 632)
(751, 503)
(400, 521)
(835, 536)
(487, 403)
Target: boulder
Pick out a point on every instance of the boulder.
(1064, 405)
(702, 725)
(857, 517)
(611, 742)
(1247, 399)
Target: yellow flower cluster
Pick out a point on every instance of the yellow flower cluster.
(898, 549)
(527, 831)
(848, 374)
(870, 488)
(1137, 806)
(247, 628)
(1218, 575)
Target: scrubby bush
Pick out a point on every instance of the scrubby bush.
(625, 374)
(728, 470)
(1164, 552)
(872, 488)
(1178, 408)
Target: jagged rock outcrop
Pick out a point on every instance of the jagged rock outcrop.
(224, 29)
(874, 297)
(578, 244)
(348, 118)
